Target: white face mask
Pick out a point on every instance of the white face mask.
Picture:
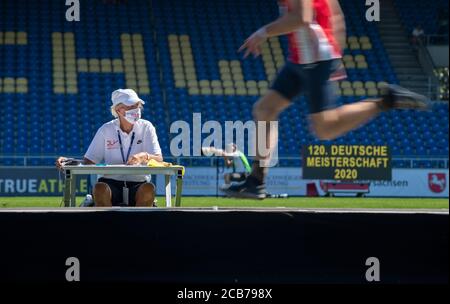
(133, 115)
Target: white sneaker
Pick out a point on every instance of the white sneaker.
(88, 201)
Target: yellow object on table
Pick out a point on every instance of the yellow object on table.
(155, 163)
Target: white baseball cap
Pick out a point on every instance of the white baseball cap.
(127, 97)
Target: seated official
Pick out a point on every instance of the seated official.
(129, 140)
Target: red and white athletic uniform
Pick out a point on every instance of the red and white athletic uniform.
(315, 42)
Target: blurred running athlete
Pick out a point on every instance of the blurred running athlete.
(316, 34)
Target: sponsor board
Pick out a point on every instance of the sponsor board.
(405, 183)
(33, 181)
(413, 183)
(196, 181)
(204, 181)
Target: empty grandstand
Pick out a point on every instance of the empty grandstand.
(56, 77)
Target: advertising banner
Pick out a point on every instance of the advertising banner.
(202, 181)
(205, 181)
(33, 181)
(413, 183)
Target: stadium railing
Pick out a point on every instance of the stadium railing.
(428, 65)
(436, 40)
(403, 162)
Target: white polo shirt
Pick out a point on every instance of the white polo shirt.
(105, 147)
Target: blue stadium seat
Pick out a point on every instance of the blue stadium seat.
(43, 121)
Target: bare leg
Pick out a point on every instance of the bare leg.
(227, 178)
(331, 124)
(102, 195)
(267, 109)
(145, 196)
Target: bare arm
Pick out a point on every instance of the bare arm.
(300, 14)
(228, 162)
(143, 158)
(338, 21)
(87, 161)
(157, 157)
(61, 159)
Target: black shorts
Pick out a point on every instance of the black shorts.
(117, 191)
(313, 80)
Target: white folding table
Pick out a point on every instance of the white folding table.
(72, 171)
